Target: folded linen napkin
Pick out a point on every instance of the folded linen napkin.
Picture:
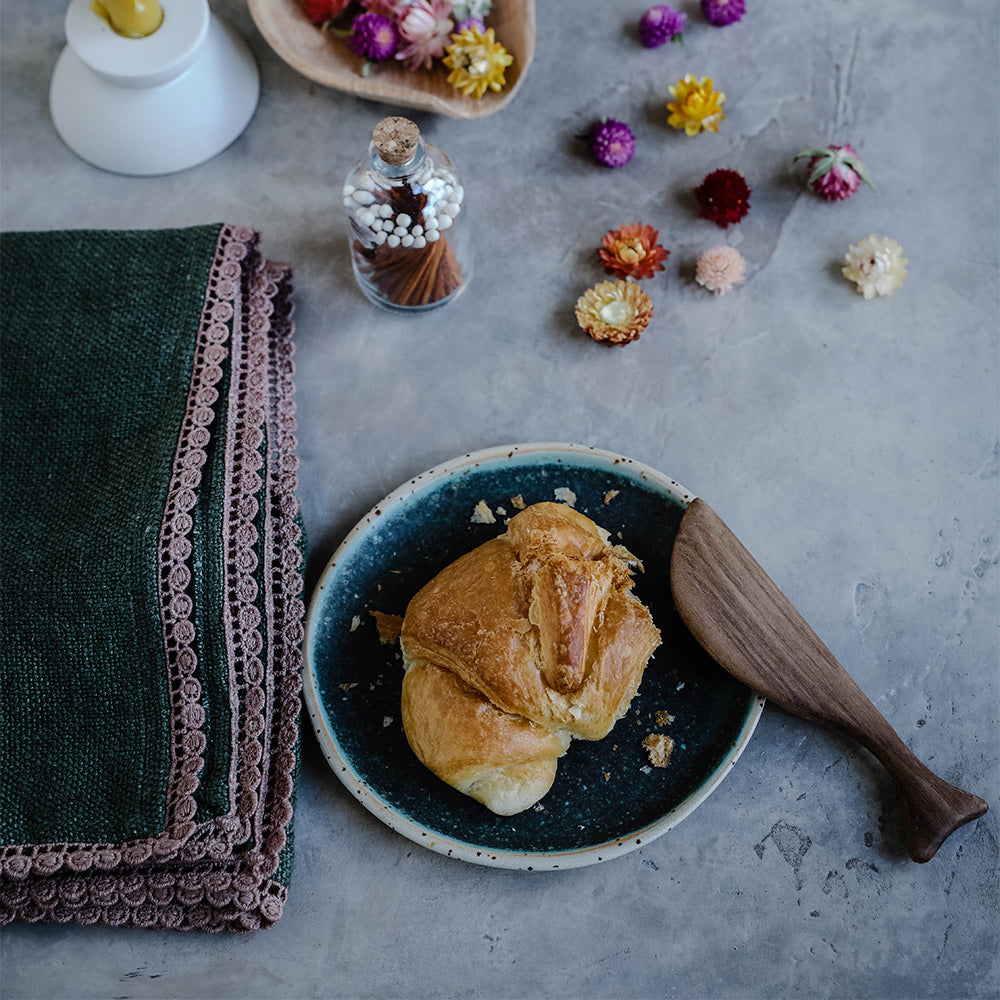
(150, 579)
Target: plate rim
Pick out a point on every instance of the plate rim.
(341, 765)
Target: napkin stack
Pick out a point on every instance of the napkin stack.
(150, 579)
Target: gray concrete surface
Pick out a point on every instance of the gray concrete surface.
(852, 446)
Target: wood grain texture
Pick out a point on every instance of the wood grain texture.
(327, 60)
(741, 618)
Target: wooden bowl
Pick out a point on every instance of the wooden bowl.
(326, 59)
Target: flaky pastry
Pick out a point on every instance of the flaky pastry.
(529, 640)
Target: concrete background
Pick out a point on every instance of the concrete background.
(851, 445)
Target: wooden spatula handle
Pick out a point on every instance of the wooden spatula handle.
(741, 618)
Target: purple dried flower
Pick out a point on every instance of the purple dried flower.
(723, 12)
(611, 142)
(373, 37)
(661, 24)
(471, 22)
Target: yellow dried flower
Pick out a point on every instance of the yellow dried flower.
(477, 62)
(696, 106)
(614, 312)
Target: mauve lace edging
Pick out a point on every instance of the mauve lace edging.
(233, 246)
(238, 895)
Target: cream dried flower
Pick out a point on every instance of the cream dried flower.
(721, 268)
(614, 312)
(876, 265)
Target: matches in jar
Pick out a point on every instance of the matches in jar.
(405, 208)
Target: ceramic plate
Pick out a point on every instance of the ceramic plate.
(327, 60)
(606, 799)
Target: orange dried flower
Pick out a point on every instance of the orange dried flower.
(632, 252)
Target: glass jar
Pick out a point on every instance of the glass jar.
(405, 208)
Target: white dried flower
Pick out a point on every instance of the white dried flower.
(876, 265)
(720, 268)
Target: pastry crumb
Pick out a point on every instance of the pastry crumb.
(482, 514)
(565, 495)
(347, 687)
(659, 748)
(664, 718)
(355, 622)
(610, 495)
(607, 775)
(517, 502)
(386, 721)
(389, 627)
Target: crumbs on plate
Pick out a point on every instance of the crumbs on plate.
(659, 747)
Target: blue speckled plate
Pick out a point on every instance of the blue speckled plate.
(606, 800)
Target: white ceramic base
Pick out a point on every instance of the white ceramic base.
(148, 130)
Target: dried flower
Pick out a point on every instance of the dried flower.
(661, 24)
(373, 37)
(723, 12)
(470, 22)
(475, 9)
(720, 268)
(632, 252)
(724, 197)
(320, 11)
(477, 62)
(614, 312)
(696, 106)
(425, 25)
(876, 265)
(392, 9)
(611, 142)
(835, 172)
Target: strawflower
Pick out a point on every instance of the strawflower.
(425, 27)
(876, 265)
(392, 9)
(835, 172)
(373, 37)
(722, 12)
(320, 11)
(724, 197)
(661, 24)
(614, 312)
(611, 142)
(477, 62)
(632, 252)
(696, 106)
(720, 269)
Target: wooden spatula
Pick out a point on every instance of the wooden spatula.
(745, 623)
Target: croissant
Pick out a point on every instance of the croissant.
(528, 641)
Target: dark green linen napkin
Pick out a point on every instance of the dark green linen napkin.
(150, 579)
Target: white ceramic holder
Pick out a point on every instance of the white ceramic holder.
(152, 105)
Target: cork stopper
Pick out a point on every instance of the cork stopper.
(396, 140)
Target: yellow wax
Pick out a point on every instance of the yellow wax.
(131, 18)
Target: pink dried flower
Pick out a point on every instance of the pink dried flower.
(392, 9)
(720, 268)
(835, 172)
(426, 26)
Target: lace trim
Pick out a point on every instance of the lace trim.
(238, 894)
(238, 275)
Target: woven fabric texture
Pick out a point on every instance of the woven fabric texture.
(151, 612)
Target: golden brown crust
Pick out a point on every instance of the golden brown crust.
(540, 623)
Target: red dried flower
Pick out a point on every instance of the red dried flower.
(321, 11)
(724, 197)
(632, 252)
